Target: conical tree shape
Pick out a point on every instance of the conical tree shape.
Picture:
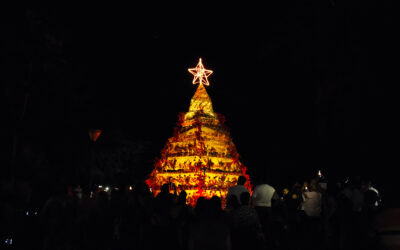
(200, 158)
(201, 101)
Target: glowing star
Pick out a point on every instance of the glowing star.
(200, 74)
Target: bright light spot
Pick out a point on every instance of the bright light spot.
(100, 186)
(106, 189)
(9, 241)
(285, 191)
(27, 213)
(130, 188)
(200, 74)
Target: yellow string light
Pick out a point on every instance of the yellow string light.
(200, 74)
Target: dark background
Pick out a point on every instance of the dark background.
(304, 86)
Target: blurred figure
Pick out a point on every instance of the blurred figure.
(55, 220)
(162, 220)
(311, 221)
(217, 205)
(386, 225)
(180, 208)
(238, 189)
(367, 215)
(293, 203)
(329, 209)
(264, 196)
(182, 215)
(355, 194)
(208, 232)
(78, 192)
(311, 204)
(231, 203)
(100, 226)
(372, 192)
(164, 200)
(246, 231)
(352, 223)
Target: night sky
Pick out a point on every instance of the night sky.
(303, 86)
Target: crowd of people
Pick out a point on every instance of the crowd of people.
(315, 214)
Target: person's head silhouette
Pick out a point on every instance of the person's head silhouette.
(182, 197)
(232, 201)
(241, 180)
(165, 188)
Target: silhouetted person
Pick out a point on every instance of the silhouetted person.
(263, 197)
(373, 192)
(55, 220)
(217, 205)
(292, 202)
(200, 206)
(162, 220)
(231, 203)
(144, 198)
(239, 188)
(182, 216)
(164, 200)
(247, 231)
(312, 223)
(182, 197)
(118, 213)
(386, 224)
(329, 208)
(353, 225)
(208, 232)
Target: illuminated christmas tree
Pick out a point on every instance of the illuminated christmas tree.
(200, 158)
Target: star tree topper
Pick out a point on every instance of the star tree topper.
(200, 74)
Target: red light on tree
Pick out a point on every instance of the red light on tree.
(94, 134)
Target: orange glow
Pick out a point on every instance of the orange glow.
(200, 158)
(200, 74)
(94, 134)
